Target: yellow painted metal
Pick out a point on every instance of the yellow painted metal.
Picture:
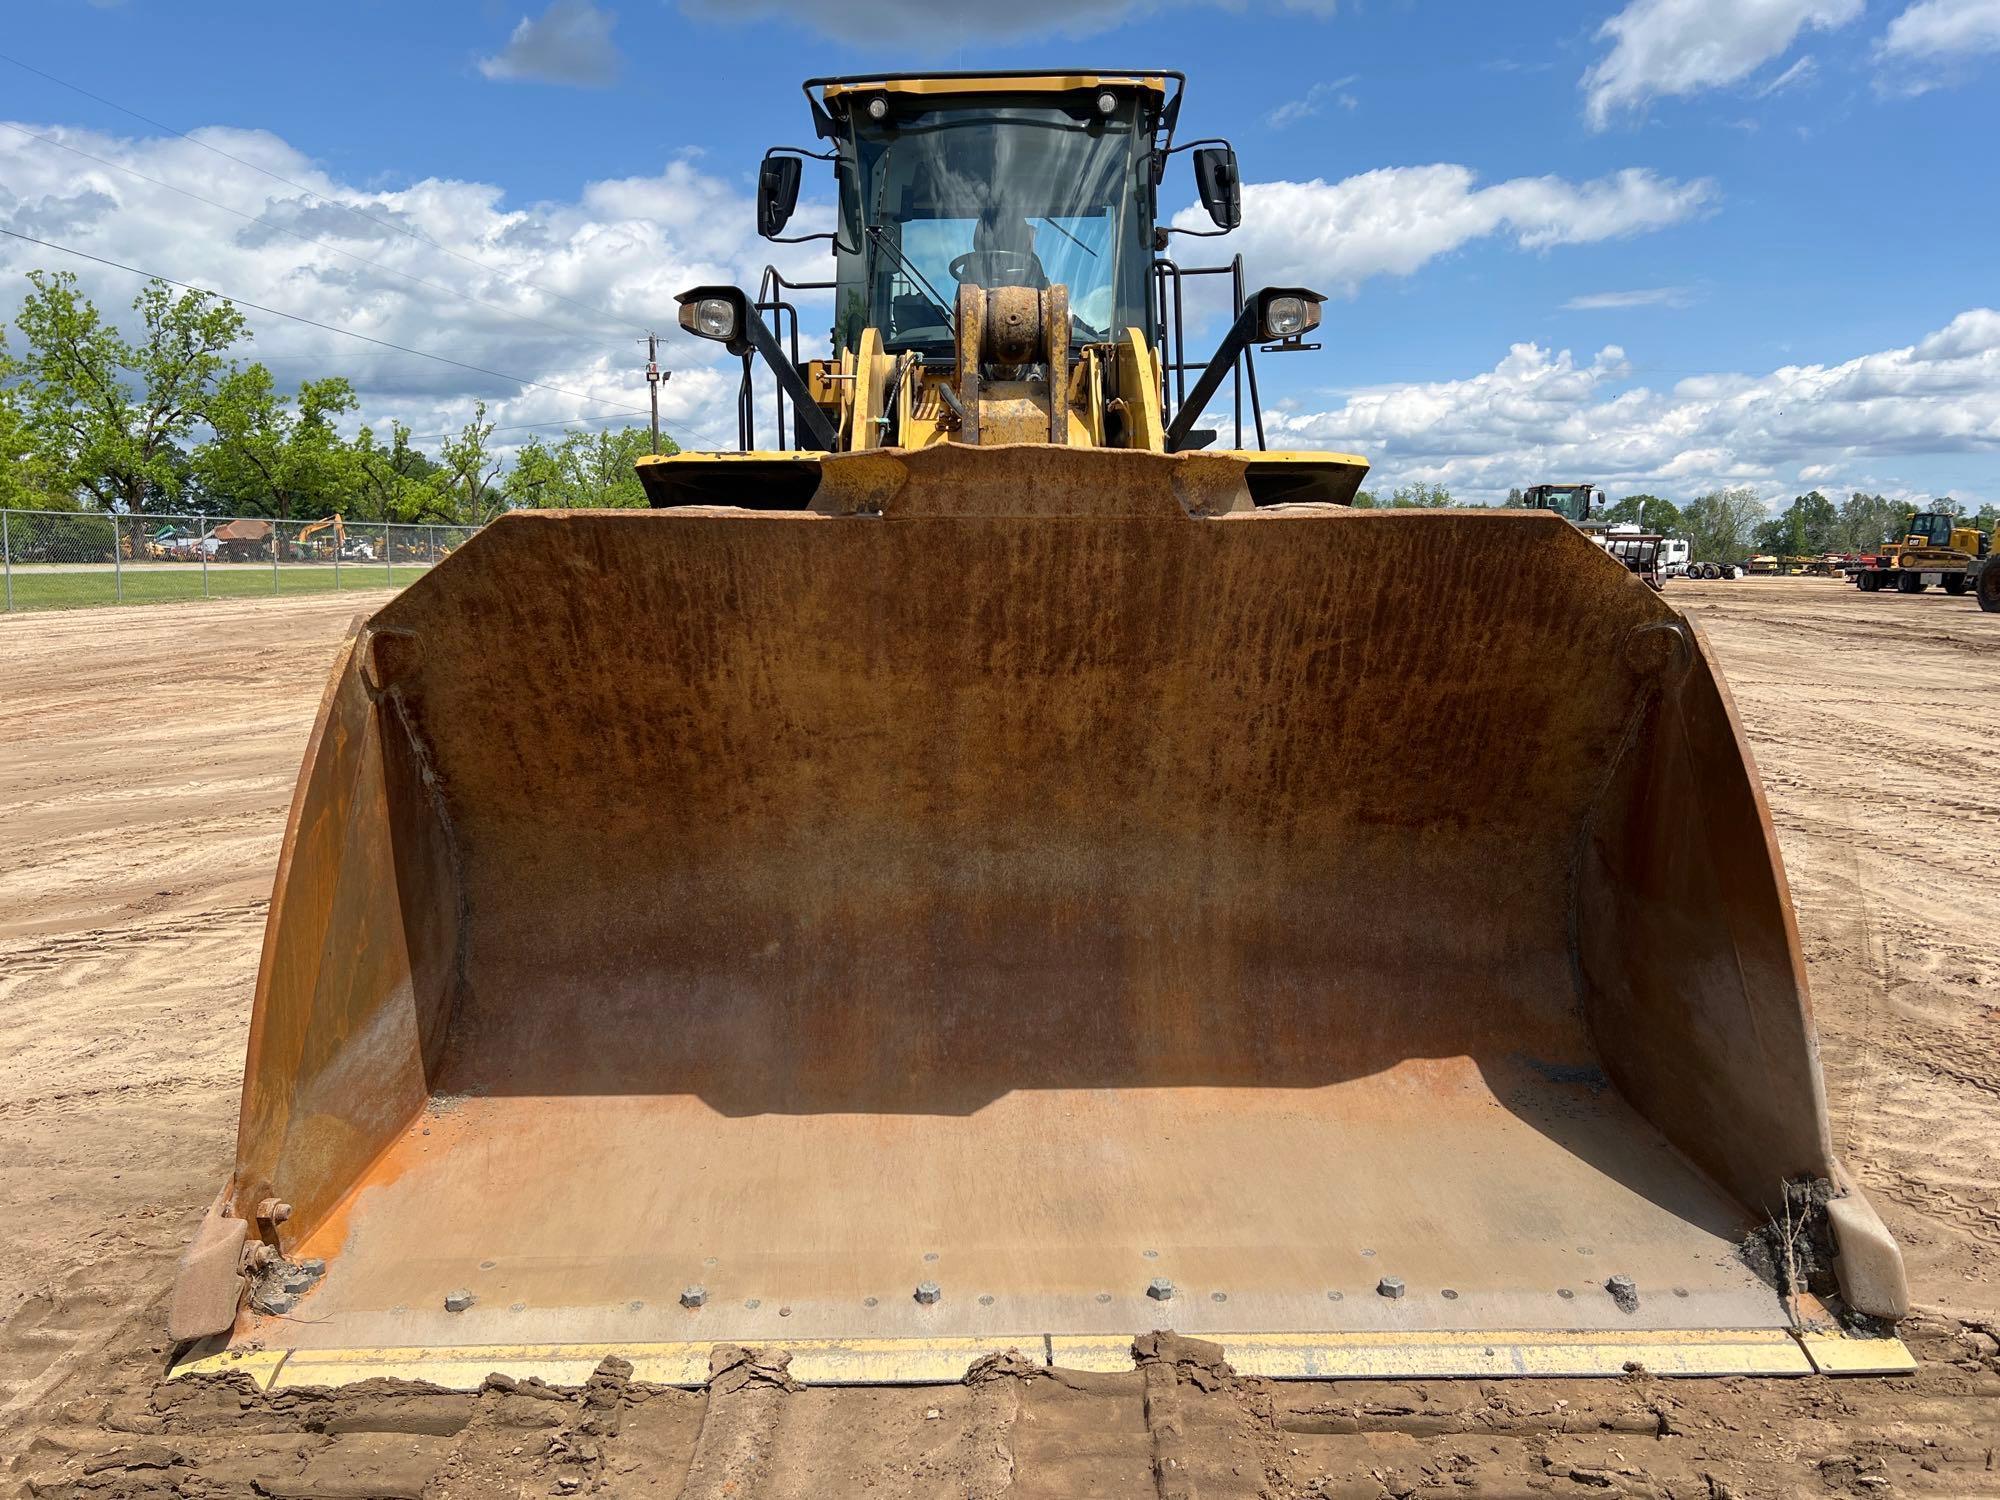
(1093, 1353)
(467, 1369)
(703, 460)
(1139, 370)
(259, 1364)
(1834, 1353)
(1407, 1355)
(1024, 83)
(814, 1362)
(1277, 1356)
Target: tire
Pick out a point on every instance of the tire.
(1710, 570)
(1868, 583)
(1989, 588)
(1909, 583)
(1954, 584)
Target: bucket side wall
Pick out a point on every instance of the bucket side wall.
(360, 961)
(1695, 981)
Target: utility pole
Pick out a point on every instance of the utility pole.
(655, 376)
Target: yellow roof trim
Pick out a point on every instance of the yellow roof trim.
(1022, 83)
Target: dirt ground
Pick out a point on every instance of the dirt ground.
(146, 759)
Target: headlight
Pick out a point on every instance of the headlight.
(878, 108)
(1285, 313)
(1107, 103)
(710, 318)
(1285, 317)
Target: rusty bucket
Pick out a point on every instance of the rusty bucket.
(1027, 907)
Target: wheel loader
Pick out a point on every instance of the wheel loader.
(995, 868)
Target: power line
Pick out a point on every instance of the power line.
(436, 286)
(313, 193)
(277, 312)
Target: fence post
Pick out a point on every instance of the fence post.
(277, 541)
(388, 548)
(117, 561)
(430, 547)
(7, 557)
(339, 535)
(201, 546)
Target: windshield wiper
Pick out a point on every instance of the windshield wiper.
(874, 232)
(1067, 235)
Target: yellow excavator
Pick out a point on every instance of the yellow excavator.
(995, 868)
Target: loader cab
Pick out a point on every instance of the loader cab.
(994, 183)
(1574, 502)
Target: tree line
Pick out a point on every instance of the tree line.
(1727, 525)
(176, 419)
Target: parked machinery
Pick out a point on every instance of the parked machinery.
(1934, 547)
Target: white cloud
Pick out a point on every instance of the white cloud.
(562, 291)
(921, 22)
(1675, 47)
(1312, 102)
(1652, 296)
(1540, 411)
(1396, 219)
(569, 43)
(1930, 43)
(1941, 28)
(1802, 71)
(926, 26)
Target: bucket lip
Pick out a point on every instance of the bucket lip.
(1500, 1353)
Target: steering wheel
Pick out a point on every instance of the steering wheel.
(998, 268)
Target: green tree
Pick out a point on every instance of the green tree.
(1420, 496)
(1364, 500)
(26, 480)
(113, 415)
(1812, 526)
(1516, 498)
(396, 480)
(1648, 513)
(273, 454)
(1987, 518)
(1719, 525)
(1867, 520)
(586, 470)
(467, 471)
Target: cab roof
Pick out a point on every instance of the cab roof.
(1163, 84)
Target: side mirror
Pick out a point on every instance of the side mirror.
(1220, 188)
(777, 193)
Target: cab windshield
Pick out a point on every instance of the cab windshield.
(1007, 195)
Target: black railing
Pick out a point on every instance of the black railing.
(783, 318)
(1168, 279)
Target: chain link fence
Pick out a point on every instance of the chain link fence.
(68, 559)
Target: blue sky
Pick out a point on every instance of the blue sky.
(1664, 244)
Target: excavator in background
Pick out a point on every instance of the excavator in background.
(1933, 547)
(361, 550)
(998, 868)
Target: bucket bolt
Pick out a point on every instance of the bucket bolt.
(1390, 1286)
(928, 1293)
(1625, 1292)
(458, 1301)
(274, 1210)
(1160, 1289)
(693, 1296)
